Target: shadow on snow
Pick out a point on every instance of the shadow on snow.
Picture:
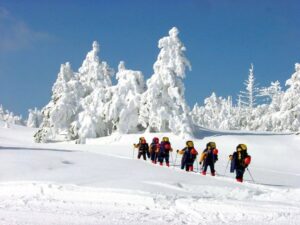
(202, 133)
(34, 149)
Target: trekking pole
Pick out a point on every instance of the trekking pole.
(172, 158)
(250, 175)
(226, 167)
(133, 152)
(175, 160)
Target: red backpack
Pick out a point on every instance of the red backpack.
(247, 160)
(167, 146)
(194, 152)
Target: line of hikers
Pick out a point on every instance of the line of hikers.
(160, 152)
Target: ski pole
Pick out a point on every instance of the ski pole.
(226, 167)
(197, 164)
(250, 175)
(133, 152)
(172, 158)
(175, 159)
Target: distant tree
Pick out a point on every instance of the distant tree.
(35, 118)
(274, 94)
(9, 118)
(248, 97)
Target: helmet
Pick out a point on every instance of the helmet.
(189, 144)
(165, 139)
(241, 147)
(155, 140)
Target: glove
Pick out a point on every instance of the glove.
(200, 163)
(177, 151)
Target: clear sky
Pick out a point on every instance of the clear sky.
(222, 39)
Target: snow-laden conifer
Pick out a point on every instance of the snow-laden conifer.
(123, 109)
(9, 118)
(95, 77)
(290, 107)
(163, 106)
(61, 111)
(35, 118)
(248, 97)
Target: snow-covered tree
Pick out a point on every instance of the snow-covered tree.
(93, 73)
(123, 109)
(281, 113)
(61, 111)
(216, 113)
(35, 118)
(197, 115)
(9, 118)
(163, 106)
(274, 95)
(76, 110)
(95, 77)
(248, 97)
(290, 107)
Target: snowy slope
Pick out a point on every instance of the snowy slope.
(100, 183)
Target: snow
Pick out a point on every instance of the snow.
(101, 183)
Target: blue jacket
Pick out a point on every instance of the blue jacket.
(237, 161)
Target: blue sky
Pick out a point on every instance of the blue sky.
(222, 39)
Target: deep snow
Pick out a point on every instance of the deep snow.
(101, 183)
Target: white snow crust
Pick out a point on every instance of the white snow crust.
(101, 183)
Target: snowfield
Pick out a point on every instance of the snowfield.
(101, 183)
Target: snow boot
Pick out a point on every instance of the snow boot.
(168, 164)
(204, 173)
(239, 180)
(213, 174)
(191, 168)
(161, 163)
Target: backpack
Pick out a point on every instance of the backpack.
(144, 147)
(194, 151)
(167, 146)
(247, 160)
(155, 147)
(193, 154)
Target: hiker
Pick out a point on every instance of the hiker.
(142, 147)
(209, 157)
(154, 150)
(189, 154)
(164, 151)
(239, 161)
